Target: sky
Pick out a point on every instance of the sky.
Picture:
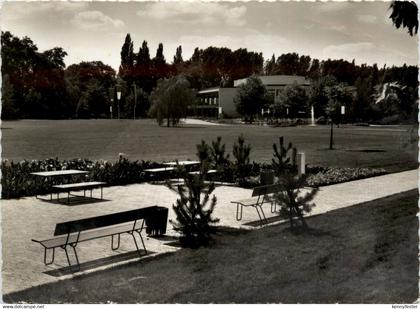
(90, 31)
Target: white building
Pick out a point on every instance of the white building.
(214, 101)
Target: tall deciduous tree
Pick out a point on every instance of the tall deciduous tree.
(33, 81)
(127, 60)
(251, 97)
(88, 84)
(178, 55)
(170, 100)
(294, 98)
(143, 68)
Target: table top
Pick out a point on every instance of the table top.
(182, 163)
(59, 173)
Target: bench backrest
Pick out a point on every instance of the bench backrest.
(105, 220)
(264, 190)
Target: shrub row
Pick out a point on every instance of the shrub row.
(17, 180)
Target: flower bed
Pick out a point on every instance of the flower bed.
(323, 176)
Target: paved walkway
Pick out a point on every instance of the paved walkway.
(29, 218)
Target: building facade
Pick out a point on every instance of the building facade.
(219, 102)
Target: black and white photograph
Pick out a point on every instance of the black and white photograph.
(209, 152)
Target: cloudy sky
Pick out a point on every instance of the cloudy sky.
(96, 30)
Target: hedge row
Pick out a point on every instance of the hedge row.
(17, 180)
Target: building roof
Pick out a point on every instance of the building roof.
(209, 90)
(277, 80)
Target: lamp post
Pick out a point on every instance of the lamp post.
(135, 100)
(118, 101)
(343, 111)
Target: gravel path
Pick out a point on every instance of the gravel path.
(28, 218)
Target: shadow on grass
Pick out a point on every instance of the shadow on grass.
(97, 263)
(366, 150)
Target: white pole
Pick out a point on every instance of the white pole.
(301, 163)
(312, 115)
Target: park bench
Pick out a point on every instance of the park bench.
(259, 196)
(78, 187)
(68, 235)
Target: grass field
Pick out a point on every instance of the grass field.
(367, 253)
(145, 140)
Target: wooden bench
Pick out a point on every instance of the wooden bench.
(68, 234)
(259, 196)
(78, 187)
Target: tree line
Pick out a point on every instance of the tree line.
(38, 84)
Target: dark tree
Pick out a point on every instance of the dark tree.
(127, 60)
(404, 13)
(160, 68)
(251, 98)
(178, 55)
(33, 81)
(143, 68)
(88, 85)
(270, 66)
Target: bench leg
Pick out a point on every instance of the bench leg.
(273, 207)
(68, 257)
(141, 238)
(112, 242)
(68, 197)
(262, 217)
(45, 256)
(102, 194)
(135, 242)
(238, 212)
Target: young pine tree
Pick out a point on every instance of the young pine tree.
(293, 202)
(203, 153)
(241, 153)
(194, 209)
(218, 153)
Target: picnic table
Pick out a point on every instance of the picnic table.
(182, 163)
(169, 167)
(57, 174)
(68, 187)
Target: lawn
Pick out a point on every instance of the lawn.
(367, 253)
(144, 140)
